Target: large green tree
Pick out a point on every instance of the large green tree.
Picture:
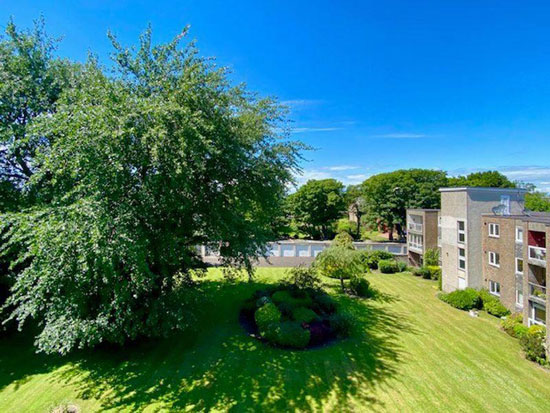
(388, 195)
(316, 205)
(489, 179)
(142, 167)
(537, 201)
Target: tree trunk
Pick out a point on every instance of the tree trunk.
(342, 284)
(390, 228)
(358, 216)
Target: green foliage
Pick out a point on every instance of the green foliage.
(339, 262)
(520, 330)
(323, 303)
(316, 205)
(488, 179)
(423, 272)
(388, 195)
(285, 297)
(359, 286)
(467, 299)
(388, 266)
(110, 257)
(342, 324)
(431, 257)
(344, 240)
(532, 344)
(266, 315)
(435, 272)
(291, 334)
(303, 315)
(370, 258)
(345, 225)
(509, 323)
(537, 201)
(492, 304)
(402, 266)
(303, 277)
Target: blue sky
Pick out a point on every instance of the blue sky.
(373, 85)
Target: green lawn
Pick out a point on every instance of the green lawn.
(411, 353)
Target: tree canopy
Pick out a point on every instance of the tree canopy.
(140, 168)
(388, 195)
(315, 207)
(537, 201)
(489, 179)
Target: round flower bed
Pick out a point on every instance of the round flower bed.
(288, 317)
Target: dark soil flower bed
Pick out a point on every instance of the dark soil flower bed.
(288, 317)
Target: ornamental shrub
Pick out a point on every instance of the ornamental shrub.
(532, 344)
(303, 277)
(303, 315)
(423, 272)
(359, 286)
(323, 303)
(284, 297)
(341, 324)
(371, 258)
(402, 266)
(467, 299)
(520, 330)
(492, 304)
(431, 257)
(268, 314)
(388, 266)
(291, 334)
(509, 323)
(435, 271)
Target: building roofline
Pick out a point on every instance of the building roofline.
(424, 209)
(541, 219)
(482, 189)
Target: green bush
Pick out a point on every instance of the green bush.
(509, 323)
(291, 334)
(431, 257)
(303, 277)
(463, 299)
(532, 344)
(323, 303)
(359, 286)
(370, 259)
(388, 266)
(341, 324)
(520, 330)
(402, 266)
(268, 314)
(303, 315)
(345, 225)
(344, 240)
(284, 297)
(423, 272)
(492, 304)
(435, 271)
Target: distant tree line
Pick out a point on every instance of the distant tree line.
(320, 208)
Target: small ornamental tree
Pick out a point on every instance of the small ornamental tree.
(339, 262)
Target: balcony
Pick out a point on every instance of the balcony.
(416, 247)
(537, 293)
(537, 255)
(413, 226)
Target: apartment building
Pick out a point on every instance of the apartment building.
(460, 230)
(516, 263)
(422, 233)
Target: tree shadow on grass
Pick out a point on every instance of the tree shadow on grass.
(220, 367)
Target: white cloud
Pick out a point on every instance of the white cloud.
(297, 103)
(306, 130)
(401, 136)
(342, 168)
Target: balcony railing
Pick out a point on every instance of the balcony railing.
(413, 226)
(537, 292)
(415, 246)
(537, 253)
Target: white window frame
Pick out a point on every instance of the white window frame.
(461, 258)
(522, 265)
(460, 232)
(494, 288)
(494, 230)
(519, 301)
(519, 240)
(493, 259)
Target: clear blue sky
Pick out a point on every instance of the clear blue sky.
(373, 85)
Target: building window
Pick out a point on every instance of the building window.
(461, 259)
(519, 266)
(494, 230)
(519, 235)
(519, 294)
(538, 315)
(461, 236)
(494, 287)
(494, 259)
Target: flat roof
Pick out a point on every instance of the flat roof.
(541, 217)
(481, 189)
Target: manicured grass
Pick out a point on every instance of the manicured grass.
(411, 352)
